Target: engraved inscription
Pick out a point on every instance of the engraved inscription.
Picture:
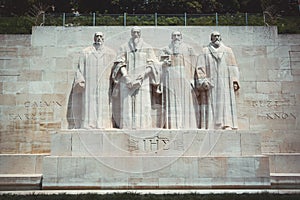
(41, 104)
(156, 143)
(133, 145)
(270, 103)
(36, 110)
(278, 116)
(151, 144)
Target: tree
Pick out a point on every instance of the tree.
(210, 6)
(229, 6)
(250, 6)
(14, 7)
(280, 7)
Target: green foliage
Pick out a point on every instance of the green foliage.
(201, 21)
(16, 25)
(103, 20)
(288, 25)
(255, 20)
(23, 25)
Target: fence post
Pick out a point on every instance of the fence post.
(246, 16)
(43, 18)
(155, 18)
(124, 18)
(185, 19)
(217, 23)
(64, 19)
(94, 19)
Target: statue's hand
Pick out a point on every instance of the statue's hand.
(166, 60)
(206, 85)
(137, 84)
(79, 87)
(81, 84)
(203, 84)
(236, 86)
(128, 81)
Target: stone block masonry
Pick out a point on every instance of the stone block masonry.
(36, 76)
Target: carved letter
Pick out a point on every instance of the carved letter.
(293, 115)
(284, 116)
(277, 116)
(27, 104)
(269, 116)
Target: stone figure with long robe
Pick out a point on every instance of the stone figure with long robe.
(134, 72)
(180, 108)
(91, 107)
(221, 80)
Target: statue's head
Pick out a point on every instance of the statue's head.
(99, 38)
(136, 32)
(176, 36)
(215, 38)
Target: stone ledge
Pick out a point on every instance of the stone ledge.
(286, 163)
(285, 180)
(20, 181)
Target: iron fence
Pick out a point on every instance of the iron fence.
(156, 19)
(23, 24)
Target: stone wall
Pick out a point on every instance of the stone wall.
(37, 73)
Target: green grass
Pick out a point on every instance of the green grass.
(133, 196)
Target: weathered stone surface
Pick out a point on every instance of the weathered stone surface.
(36, 76)
(160, 143)
(277, 142)
(284, 163)
(30, 75)
(15, 40)
(20, 182)
(21, 163)
(156, 172)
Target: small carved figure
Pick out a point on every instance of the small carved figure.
(220, 81)
(134, 71)
(90, 99)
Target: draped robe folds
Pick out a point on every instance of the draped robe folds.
(179, 98)
(90, 100)
(221, 70)
(135, 103)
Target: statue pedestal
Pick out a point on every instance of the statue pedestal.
(113, 159)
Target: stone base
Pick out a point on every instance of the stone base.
(155, 159)
(20, 181)
(21, 171)
(285, 180)
(140, 159)
(125, 172)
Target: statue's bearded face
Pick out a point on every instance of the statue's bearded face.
(216, 38)
(99, 38)
(176, 36)
(136, 35)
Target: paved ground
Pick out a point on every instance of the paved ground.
(214, 191)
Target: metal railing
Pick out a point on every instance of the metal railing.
(156, 19)
(23, 24)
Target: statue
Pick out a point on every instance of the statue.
(220, 80)
(90, 96)
(178, 74)
(133, 73)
